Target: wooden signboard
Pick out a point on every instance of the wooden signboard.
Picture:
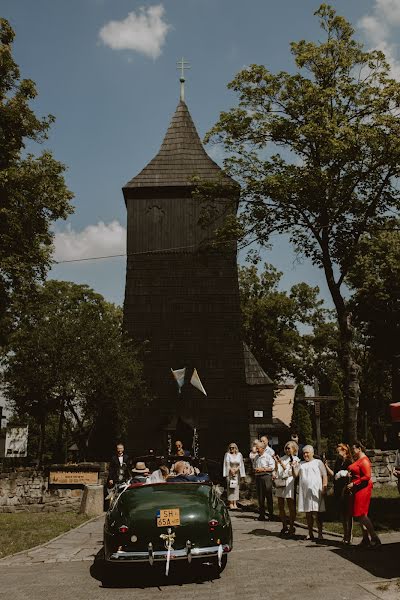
(73, 477)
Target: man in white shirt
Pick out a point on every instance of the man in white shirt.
(264, 466)
(265, 441)
(119, 467)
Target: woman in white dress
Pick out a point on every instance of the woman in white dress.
(313, 482)
(233, 470)
(284, 482)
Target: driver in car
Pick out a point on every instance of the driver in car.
(182, 472)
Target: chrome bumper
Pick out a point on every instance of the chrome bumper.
(161, 555)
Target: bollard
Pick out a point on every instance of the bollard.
(92, 501)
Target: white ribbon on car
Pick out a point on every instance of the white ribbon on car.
(168, 559)
(117, 493)
(168, 538)
(220, 552)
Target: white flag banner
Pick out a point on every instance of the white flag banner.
(195, 381)
(179, 376)
(16, 442)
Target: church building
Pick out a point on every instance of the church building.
(182, 303)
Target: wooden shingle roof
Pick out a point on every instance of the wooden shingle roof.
(180, 158)
(255, 375)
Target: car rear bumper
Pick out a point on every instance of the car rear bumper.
(161, 555)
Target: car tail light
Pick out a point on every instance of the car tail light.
(123, 529)
(212, 524)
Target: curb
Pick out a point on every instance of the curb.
(8, 556)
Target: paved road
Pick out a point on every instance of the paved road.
(261, 565)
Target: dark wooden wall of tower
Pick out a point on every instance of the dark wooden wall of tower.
(185, 302)
(183, 299)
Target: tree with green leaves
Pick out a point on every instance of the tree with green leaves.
(290, 333)
(317, 154)
(69, 357)
(375, 281)
(301, 417)
(33, 193)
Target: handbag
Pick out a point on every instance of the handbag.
(279, 482)
(233, 482)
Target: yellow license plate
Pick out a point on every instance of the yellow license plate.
(168, 517)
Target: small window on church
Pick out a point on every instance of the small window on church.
(156, 213)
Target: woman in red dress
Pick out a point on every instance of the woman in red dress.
(361, 489)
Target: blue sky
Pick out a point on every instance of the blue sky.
(107, 70)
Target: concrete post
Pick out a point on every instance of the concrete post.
(92, 503)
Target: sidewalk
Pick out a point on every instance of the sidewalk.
(81, 543)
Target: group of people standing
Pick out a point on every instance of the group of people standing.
(299, 475)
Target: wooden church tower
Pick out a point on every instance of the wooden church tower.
(182, 300)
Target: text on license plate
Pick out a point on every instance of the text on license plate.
(168, 517)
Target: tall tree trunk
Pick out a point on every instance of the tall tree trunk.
(350, 368)
(59, 450)
(42, 433)
(351, 386)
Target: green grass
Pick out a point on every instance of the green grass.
(384, 512)
(20, 531)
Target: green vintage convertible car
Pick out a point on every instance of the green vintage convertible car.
(166, 522)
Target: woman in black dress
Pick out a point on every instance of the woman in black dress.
(340, 475)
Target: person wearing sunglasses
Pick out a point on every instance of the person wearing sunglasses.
(233, 470)
(284, 482)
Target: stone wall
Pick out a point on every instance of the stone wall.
(382, 466)
(28, 490)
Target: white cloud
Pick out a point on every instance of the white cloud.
(143, 31)
(378, 28)
(216, 152)
(390, 9)
(374, 29)
(94, 240)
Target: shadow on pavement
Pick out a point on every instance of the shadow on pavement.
(313, 544)
(263, 533)
(327, 542)
(143, 576)
(381, 562)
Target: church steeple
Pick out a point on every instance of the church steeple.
(180, 158)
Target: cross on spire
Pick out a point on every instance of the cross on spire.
(182, 65)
